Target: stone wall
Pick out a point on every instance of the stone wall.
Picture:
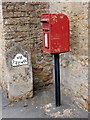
(1, 40)
(74, 65)
(89, 57)
(22, 34)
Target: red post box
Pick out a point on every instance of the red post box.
(56, 34)
(56, 40)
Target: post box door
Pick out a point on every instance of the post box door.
(46, 32)
(59, 33)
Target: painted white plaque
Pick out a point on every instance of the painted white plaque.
(19, 59)
(46, 40)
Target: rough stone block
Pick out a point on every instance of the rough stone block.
(19, 75)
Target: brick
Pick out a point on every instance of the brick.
(23, 28)
(7, 14)
(15, 21)
(21, 14)
(25, 7)
(16, 35)
(8, 29)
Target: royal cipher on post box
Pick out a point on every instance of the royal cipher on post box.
(55, 28)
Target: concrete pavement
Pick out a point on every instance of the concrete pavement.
(0, 104)
(42, 105)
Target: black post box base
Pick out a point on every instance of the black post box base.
(57, 80)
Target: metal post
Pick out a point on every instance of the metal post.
(57, 79)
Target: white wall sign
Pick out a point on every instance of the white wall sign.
(19, 59)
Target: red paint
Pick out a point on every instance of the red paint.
(56, 33)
